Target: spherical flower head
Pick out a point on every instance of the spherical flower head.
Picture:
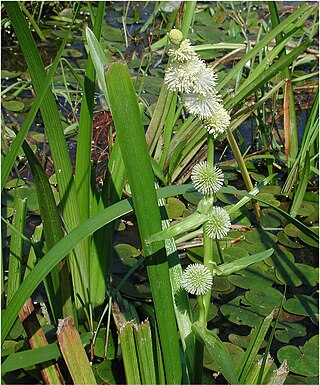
(218, 122)
(206, 81)
(175, 36)
(197, 279)
(183, 76)
(218, 223)
(203, 106)
(184, 53)
(207, 179)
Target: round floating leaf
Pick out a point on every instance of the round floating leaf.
(303, 360)
(257, 177)
(9, 74)
(288, 330)
(235, 351)
(303, 305)
(254, 277)
(240, 217)
(10, 346)
(296, 274)
(274, 190)
(266, 300)
(126, 251)
(240, 312)
(286, 241)
(244, 341)
(268, 198)
(308, 240)
(298, 380)
(99, 345)
(291, 230)
(261, 236)
(270, 218)
(254, 248)
(228, 198)
(107, 372)
(72, 52)
(221, 284)
(195, 254)
(13, 105)
(175, 208)
(232, 253)
(305, 209)
(23, 192)
(193, 197)
(16, 182)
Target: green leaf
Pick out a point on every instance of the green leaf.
(217, 350)
(13, 105)
(303, 360)
(242, 263)
(303, 305)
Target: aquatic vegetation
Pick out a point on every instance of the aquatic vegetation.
(153, 181)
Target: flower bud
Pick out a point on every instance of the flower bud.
(175, 36)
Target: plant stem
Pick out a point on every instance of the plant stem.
(244, 172)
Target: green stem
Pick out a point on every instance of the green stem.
(219, 251)
(243, 169)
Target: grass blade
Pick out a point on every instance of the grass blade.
(16, 247)
(62, 248)
(130, 133)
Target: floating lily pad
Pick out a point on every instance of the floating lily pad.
(296, 274)
(232, 253)
(303, 360)
(286, 241)
(228, 198)
(175, 208)
(303, 305)
(13, 105)
(10, 346)
(257, 177)
(288, 330)
(107, 372)
(305, 209)
(270, 218)
(126, 251)
(195, 254)
(240, 217)
(23, 192)
(261, 236)
(194, 197)
(291, 230)
(254, 248)
(268, 198)
(221, 284)
(254, 277)
(266, 300)
(274, 190)
(9, 74)
(241, 312)
(309, 241)
(244, 341)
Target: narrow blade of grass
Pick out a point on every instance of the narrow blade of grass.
(16, 247)
(130, 133)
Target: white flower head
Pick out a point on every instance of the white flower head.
(197, 279)
(182, 77)
(207, 179)
(184, 53)
(218, 224)
(206, 81)
(218, 122)
(203, 106)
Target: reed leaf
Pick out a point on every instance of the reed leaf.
(130, 133)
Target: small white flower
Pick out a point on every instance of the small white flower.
(203, 106)
(184, 53)
(207, 179)
(183, 77)
(197, 279)
(206, 81)
(218, 224)
(218, 122)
